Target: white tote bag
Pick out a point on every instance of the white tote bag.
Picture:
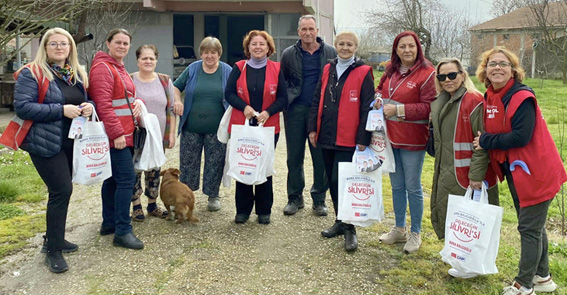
(384, 155)
(222, 131)
(251, 152)
(152, 155)
(360, 196)
(91, 153)
(472, 234)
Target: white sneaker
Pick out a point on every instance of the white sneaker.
(544, 284)
(460, 274)
(517, 289)
(413, 243)
(394, 236)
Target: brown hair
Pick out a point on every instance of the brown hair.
(263, 34)
(517, 70)
(210, 43)
(147, 46)
(113, 32)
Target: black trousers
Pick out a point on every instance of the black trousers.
(331, 158)
(56, 173)
(262, 195)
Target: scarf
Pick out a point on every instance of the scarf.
(64, 73)
(257, 63)
(494, 98)
(343, 64)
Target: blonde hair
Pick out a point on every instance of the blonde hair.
(347, 33)
(517, 70)
(263, 34)
(467, 82)
(40, 60)
(210, 43)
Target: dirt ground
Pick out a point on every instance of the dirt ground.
(214, 256)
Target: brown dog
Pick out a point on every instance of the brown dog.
(174, 193)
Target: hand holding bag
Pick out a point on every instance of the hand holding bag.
(472, 233)
(91, 153)
(152, 154)
(140, 133)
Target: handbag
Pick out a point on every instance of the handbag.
(91, 153)
(430, 145)
(151, 155)
(140, 133)
(18, 128)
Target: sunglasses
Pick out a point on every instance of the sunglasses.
(451, 76)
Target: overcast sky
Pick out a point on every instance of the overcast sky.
(349, 13)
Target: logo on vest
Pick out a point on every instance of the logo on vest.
(491, 112)
(411, 84)
(273, 89)
(240, 91)
(353, 97)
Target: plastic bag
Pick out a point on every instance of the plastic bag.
(152, 155)
(472, 233)
(91, 153)
(360, 196)
(383, 153)
(222, 131)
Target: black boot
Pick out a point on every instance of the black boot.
(333, 231)
(55, 261)
(293, 205)
(351, 242)
(129, 241)
(68, 247)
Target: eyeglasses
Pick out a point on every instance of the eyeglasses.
(451, 76)
(502, 64)
(54, 45)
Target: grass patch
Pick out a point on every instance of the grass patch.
(8, 191)
(15, 231)
(9, 211)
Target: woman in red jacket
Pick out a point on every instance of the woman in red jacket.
(407, 88)
(521, 150)
(110, 84)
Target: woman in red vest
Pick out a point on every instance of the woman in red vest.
(456, 116)
(257, 91)
(110, 84)
(407, 88)
(156, 90)
(523, 152)
(337, 119)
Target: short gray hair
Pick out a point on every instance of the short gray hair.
(307, 16)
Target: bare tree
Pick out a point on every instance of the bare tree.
(501, 7)
(28, 17)
(443, 32)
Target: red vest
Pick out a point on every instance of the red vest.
(544, 173)
(349, 105)
(410, 134)
(270, 90)
(464, 135)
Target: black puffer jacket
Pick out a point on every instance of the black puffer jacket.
(328, 134)
(292, 65)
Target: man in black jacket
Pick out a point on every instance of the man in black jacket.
(302, 64)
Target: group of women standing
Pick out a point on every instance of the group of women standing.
(476, 139)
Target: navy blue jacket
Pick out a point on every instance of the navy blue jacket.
(44, 138)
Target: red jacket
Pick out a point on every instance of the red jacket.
(106, 89)
(270, 90)
(541, 177)
(464, 136)
(415, 90)
(349, 105)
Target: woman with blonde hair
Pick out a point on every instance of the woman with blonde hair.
(47, 142)
(523, 152)
(456, 116)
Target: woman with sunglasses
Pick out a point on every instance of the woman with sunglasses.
(523, 152)
(456, 116)
(407, 88)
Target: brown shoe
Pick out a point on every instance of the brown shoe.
(138, 215)
(159, 213)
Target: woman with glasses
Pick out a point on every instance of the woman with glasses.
(407, 88)
(47, 142)
(456, 116)
(523, 152)
(337, 119)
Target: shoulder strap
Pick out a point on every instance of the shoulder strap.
(42, 82)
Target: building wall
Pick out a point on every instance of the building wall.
(519, 42)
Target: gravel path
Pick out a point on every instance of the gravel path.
(214, 256)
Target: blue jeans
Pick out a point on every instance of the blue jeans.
(406, 185)
(117, 192)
